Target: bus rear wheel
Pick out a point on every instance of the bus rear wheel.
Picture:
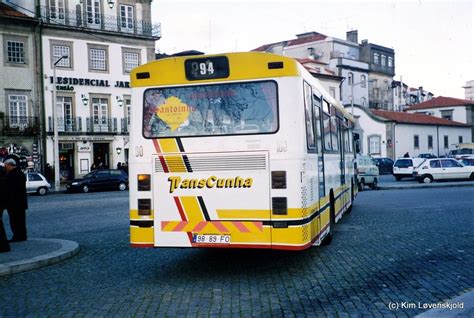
(332, 222)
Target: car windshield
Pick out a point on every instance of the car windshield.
(90, 174)
(224, 109)
(403, 163)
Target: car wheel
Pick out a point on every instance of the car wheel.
(374, 185)
(427, 179)
(85, 188)
(122, 186)
(361, 185)
(42, 191)
(472, 176)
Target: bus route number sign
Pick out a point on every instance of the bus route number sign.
(206, 68)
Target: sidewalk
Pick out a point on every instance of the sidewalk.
(35, 253)
(388, 182)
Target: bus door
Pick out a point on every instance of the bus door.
(212, 199)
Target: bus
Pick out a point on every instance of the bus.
(236, 150)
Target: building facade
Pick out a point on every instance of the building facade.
(469, 90)
(20, 101)
(460, 110)
(88, 49)
(392, 134)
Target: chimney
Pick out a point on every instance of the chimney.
(365, 42)
(351, 36)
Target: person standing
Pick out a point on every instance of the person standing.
(4, 246)
(17, 201)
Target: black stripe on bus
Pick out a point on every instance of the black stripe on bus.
(142, 223)
(187, 163)
(180, 144)
(204, 209)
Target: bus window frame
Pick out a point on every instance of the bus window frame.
(309, 118)
(213, 84)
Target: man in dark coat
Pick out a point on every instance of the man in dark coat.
(17, 201)
(4, 246)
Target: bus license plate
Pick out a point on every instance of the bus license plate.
(211, 239)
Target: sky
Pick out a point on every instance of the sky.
(433, 39)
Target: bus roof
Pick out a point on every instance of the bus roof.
(242, 66)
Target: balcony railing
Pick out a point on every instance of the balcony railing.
(124, 125)
(90, 20)
(77, 125)
(19, 125)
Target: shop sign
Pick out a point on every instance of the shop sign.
(84, 148)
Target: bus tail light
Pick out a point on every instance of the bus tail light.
(144, 206)
(280, 206)
(278, 179)
(144, 182)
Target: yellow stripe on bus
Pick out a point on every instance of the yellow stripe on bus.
(191, 208)
(175, 163)
(141, 235)
(168, 145)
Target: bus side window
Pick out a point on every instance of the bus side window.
(310, 139)
(317, 121)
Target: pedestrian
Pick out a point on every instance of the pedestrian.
(4, 246)
(119, 166)
(100, 166)
(93, 167)
(17, 201)
(406, 155)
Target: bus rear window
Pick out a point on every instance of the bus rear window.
(222, 109)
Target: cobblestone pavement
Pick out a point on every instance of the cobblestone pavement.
(396, 246)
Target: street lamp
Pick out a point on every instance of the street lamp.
(55, 127)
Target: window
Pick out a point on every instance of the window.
(430, 142)
(334, 133)
(310, 140)
(64, 113)
(376, 58)
(130, 61)
(128, 103)
(57, 52)
(15, 52)
(350, 77)
(447, 114)
(98, 58)
(100, 113)
(435, 164)
(374, 145)
(18, 110)
(56, 9)
(93, 12)
(211, 110)
(317, 120)
(363, 81)
(34, 177)
(416, 141)
(390, 62)
(363, 101)
(450, 163)
(126, 17)
(327, 132)
(384, 60)
(460, 139)
(446, 142)
(332, 91)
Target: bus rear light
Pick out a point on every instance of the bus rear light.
(280, 206)
(144, 206)
(144, 182)
(278, 179)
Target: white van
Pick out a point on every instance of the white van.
(367, 172)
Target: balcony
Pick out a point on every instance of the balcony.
(100, 22)
(78, 125)
(19, 125)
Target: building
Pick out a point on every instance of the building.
(382, 133)
(327, 77)
(20, 98)
(88, 49)
(469, 90)
(381, 62)
(404, 98)
(460, 110)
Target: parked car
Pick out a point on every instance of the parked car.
(100, 180)
(37, 183)
(427, 155)
(442, 169)
(403, 167)
(459, 153)
(367, 172)
(385, 165)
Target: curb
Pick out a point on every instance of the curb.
(425, 186)
(67, 250)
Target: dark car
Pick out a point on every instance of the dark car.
(385, 165)
(100, 180)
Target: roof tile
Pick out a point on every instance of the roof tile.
(409, 118)
(442, 101)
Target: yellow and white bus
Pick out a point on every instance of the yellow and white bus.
(237, 150)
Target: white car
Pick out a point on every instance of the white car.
(367, 172)
(442, 169)
(36, 183)
(403, 167)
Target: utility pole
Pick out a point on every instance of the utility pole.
(55, 128)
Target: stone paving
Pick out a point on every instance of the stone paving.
(396, 246)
